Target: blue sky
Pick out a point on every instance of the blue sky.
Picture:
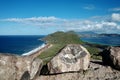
(41, 17)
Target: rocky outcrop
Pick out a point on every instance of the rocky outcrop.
(7, 67)
(18, 68)
(111, 56)
(73, 57)
(96, 71)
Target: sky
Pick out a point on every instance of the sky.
(42, 17)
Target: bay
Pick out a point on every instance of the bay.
(104, 40)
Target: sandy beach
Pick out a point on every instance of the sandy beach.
(39, 51)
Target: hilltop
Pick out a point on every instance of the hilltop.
(63, 38)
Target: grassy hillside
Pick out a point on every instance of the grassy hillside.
(50, 53)
(60, 39)
(63, 38)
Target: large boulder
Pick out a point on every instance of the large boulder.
(73, 57)
(28, 68)
(7, 67)
(111, 56)
(19, 68)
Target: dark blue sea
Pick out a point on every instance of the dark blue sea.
(105, 40)
(20, 44)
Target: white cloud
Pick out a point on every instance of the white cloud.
(114, 9)
(96, 26)
(89, 7)
(70, 24)
(33, 19)
(111, 24)
(115, 17)
(39, 21)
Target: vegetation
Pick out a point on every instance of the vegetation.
(95, 49)
(63, 38)
(94, 52)
(60, 39)
(49, 53)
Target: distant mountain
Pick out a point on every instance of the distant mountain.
(87, 34)
(93, 34)
(110, 35)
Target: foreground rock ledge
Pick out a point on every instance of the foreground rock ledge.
(73, 57)
(18, 68)
(96, 71)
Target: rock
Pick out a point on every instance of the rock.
(35, 68)
(96, 71)
(73, 57)
(19, 68)
(111, 56)
(28, 66)
(7, 67)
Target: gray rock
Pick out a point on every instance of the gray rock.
(96, 71)
(7, 67)
(72, 58)
(18, 68)
(115, 56)
(111, 56)
(35, 68)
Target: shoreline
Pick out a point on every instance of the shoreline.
(34, 50)
(33, 53)
(36, 53)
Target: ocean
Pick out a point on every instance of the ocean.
(20, 45)
(105, 40)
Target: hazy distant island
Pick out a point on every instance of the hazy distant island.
(110, 35)
(110, 39)
(94, 34)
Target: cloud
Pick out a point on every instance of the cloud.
(110, 24)
(115, 9)
(39, 21)
(116, 17)
(97, 25)
(89, 7)
(33, 19)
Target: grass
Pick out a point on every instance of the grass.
(94, 52)
(95, 49)
(49, 53)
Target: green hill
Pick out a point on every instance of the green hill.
(63, 38)
(60, 39)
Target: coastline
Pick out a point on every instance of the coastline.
(36, 52)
